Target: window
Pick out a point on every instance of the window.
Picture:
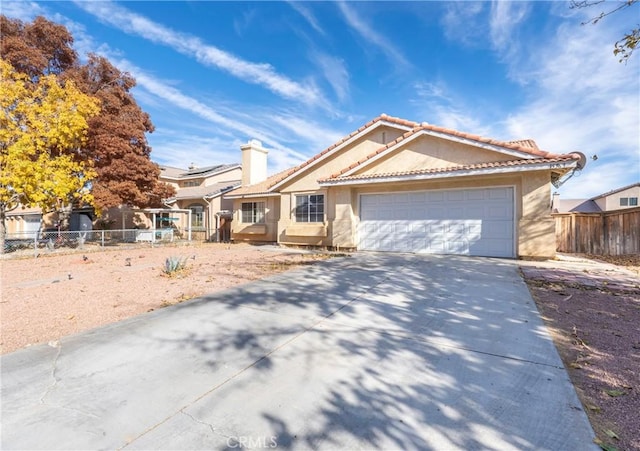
(310, 208)
(197, 216)
(190, 184)
(253, 212)
(628, 201)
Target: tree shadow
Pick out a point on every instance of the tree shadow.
(392, 351)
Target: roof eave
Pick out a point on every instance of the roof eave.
(379, 123)
(250, 195)
(564, 166)
(442, 135)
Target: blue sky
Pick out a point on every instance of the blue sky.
(300, 75)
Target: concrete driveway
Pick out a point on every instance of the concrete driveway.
(371, 351)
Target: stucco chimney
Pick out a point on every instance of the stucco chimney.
(254, 162)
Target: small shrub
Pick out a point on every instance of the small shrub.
(174, 264)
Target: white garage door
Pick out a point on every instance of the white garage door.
(31, 226)
(466, 222)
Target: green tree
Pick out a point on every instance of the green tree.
(43, 125)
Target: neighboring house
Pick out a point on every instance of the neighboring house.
(197, 210)
(397, 185)
(24, 222)
(30, 222)
(617, 199)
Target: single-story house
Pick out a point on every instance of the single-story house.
(617, 199)
(398, 185)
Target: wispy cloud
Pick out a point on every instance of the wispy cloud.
(371, 35)
(582, 99)
(24, 11)
(504, 21)
(462, 22)
(256, 73)
(335, 72)
(308, 15)
(436, 103)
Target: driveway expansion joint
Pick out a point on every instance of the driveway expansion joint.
(254, 363)
(54, 369)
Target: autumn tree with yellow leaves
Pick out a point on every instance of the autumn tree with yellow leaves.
(116, 142)
(43, 123)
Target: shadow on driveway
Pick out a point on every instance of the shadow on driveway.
(376, 351)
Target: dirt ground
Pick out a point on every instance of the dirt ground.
(593, 314)
(51, 296)
(591, 309)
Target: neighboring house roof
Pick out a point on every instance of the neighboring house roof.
(25, 211)
(523, 150)
(207, 192)
(576, 206)
(609, 193)
(169, 172)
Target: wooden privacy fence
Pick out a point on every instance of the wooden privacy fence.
(603, 233)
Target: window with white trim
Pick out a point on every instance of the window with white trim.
(197, 216)
(309, 208)
(628, 201)
(253, 212)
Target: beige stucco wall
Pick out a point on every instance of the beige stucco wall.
(612, 202)
(228, 176)
(307, 180)
(426, 152)
(266, 232)
(316, 234)
(535, 228)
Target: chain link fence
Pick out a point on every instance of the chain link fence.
(51, 241)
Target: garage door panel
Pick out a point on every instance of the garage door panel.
(468, 221)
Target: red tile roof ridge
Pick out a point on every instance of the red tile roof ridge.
(277, 178)
(527, 146)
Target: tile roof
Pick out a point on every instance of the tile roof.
(466, 167)
(177, 173)
(198, 192)
(526, 146)
(576, 205)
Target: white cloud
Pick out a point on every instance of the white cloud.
(308, 15)
(370, 35)
(335, 72)
(24, 11)
(504, 21)
(462, 22)
(582, 99)
(257, 73)
(438, 105)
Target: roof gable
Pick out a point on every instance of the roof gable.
(510, 155)
(526, 149)
(609, 193)
(344, 143)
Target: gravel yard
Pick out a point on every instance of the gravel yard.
(592, 309)
(51, 296)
